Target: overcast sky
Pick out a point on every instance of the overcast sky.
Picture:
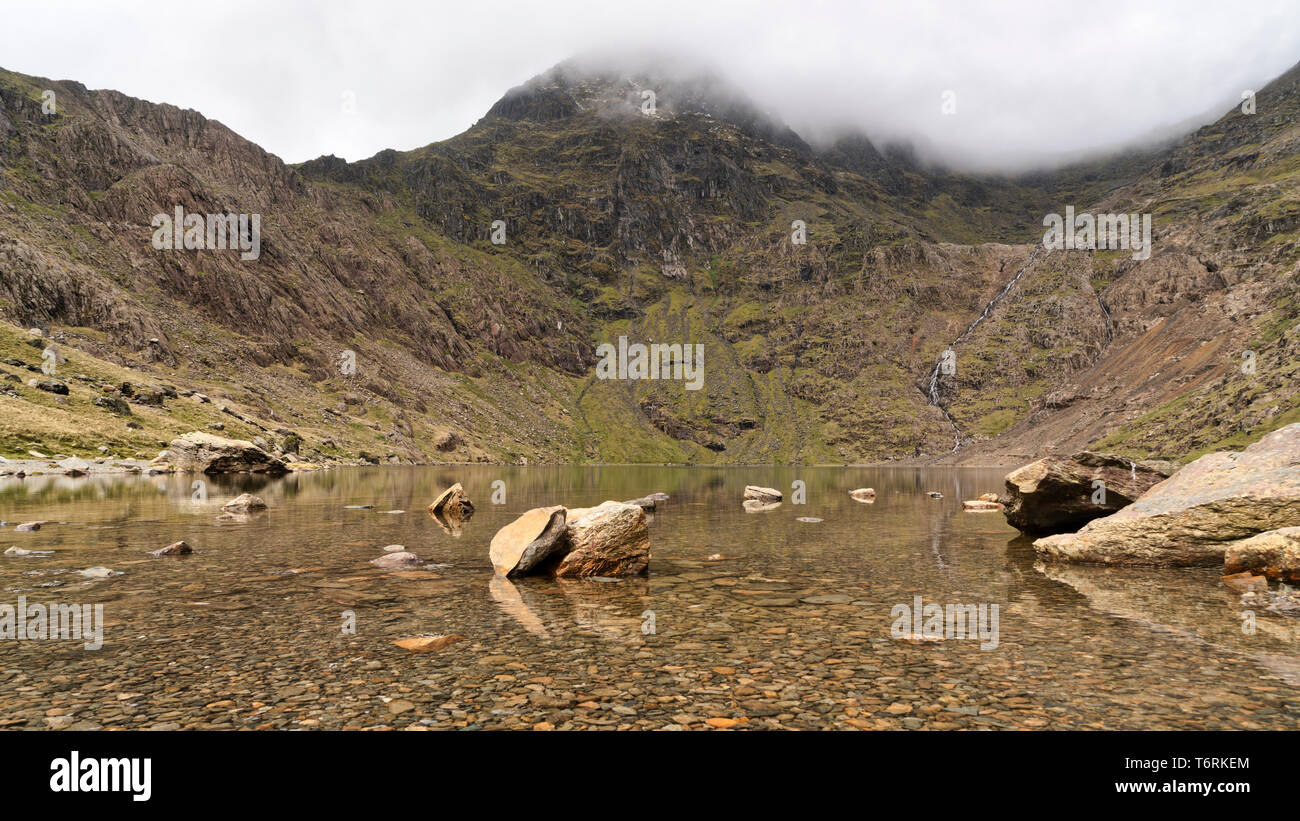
(1031, 78)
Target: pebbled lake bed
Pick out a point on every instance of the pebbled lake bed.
(745, 620)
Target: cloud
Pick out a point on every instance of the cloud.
(1031, 80)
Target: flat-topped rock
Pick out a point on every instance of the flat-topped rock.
(1191, 518)
(208, 453)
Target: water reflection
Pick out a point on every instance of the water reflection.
(797, 613)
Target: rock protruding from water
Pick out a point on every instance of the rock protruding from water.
(452, 504)
(762, 494)
(1057, 495)
(1274, 555)
(244, 503)
(173, 549)
(611, 539)
(398, 560)
(207, 453)
(863, 494)
(1191, 518)
(518, 548)
(981, 506)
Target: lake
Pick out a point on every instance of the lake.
(745, 620)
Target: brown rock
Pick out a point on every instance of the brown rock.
(447, 441)
(863, 494)
(173, 549)
(1055, 495)
(452, 504)
(1246, 583)
(1274, 554)
(524, 544)
(981, 505)
(611, 539)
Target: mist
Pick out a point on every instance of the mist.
(991, 86)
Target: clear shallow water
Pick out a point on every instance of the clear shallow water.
(791, 628)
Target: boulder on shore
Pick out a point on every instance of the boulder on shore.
(209, 453)
(611, 539)
(1059, 494)
(453, 503)
(1191, 518)
(762, 494)
(519, 547)
(1274, 554)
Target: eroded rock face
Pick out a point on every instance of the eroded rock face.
(1275, 555)
(611, 539)
(208, 453)
(521, 546)
(1192, 518)
(1056, 494)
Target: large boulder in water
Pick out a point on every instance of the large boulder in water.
(207, 453)
(611, 539)
(1191, 518)
(1056, 495)
(521, 546)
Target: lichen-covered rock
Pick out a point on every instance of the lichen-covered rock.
(1191, 518)
(1055, 494)
(208, 453)
(611, 539)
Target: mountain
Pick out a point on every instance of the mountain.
(664, 218)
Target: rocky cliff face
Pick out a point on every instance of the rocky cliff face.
(472, 281)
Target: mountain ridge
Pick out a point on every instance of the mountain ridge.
(674, 226)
